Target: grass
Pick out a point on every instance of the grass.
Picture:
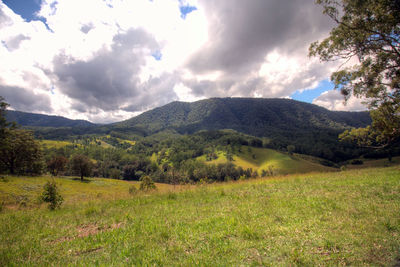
(24, 191)
(337, 218)
(55, 143)
(375, 163)
(260, 159)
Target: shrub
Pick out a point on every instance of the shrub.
(147, 184)
(356, 162)
(51, 195)
(133, 190)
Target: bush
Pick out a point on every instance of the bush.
(133, 190)
(51, 195)
(356, 162)
(147, 184)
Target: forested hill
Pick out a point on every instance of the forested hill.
(254, 116)
(40, 120)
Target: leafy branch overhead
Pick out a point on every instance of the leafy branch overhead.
(367, 31)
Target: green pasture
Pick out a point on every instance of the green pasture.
(319, 219)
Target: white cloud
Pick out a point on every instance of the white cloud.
(334, 100)
(97, 60)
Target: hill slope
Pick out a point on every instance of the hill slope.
(255, 116)
(40, 120)
(263, 159)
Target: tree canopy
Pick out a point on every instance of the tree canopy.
(19, 151)
(368, 31)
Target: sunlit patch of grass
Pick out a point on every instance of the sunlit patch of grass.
(55, 143)
(15, 190)
(260, 159)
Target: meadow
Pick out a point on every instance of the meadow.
(260, 159)
(337, 218)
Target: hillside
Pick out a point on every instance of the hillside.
(263, 159)
(313, 130)
(40, 120)
(255, 116)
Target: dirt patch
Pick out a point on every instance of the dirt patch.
(92, 229)
(90, 250)
(88, 229)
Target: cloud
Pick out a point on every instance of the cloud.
(259, 48)
(24, 99)
(111, 80)
(334, 100)
(110, 60)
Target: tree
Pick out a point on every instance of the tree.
(3, 120)
(20, 152)
(57, 165)
(367, 30)
(81, 165)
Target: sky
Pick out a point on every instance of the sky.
(109, 60)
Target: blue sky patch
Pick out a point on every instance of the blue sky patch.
(309, 95)
(157, 55)
(186, 10)
(27, 9)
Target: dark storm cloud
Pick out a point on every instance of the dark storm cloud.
(241, 33)
(24, 99)
(110, 81)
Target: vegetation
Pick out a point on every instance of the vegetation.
(278, 123)
(369, 31)
(51, 195)
(20, 153)
(146, 184)
(57, 165)
(81, 165)
(342, 218)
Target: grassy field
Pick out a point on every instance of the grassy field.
(375, 163)
(20, 192)
(337, 218)
(55, 143)
(265, 159)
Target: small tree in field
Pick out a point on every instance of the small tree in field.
(81, 165)
(147, 184)
(51, 195)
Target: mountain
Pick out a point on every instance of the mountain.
(255, 116)
(39, 120)
(277, 123)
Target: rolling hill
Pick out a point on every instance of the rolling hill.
(39, 120)
(313, 130)
(263, 159)
(254, 116)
